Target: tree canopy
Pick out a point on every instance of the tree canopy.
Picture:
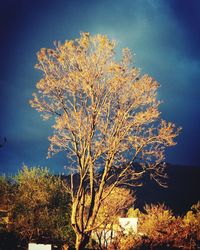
(106, 119)
(39, 208)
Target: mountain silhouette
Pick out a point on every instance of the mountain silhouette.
(182, 192)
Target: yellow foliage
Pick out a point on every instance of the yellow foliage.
(106, 118)
(133, 213)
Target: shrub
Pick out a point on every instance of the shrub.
(160, 229)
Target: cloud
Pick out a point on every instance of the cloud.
(161, 36)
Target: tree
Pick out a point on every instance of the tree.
(156, 223)
(107, 221)
(5, 201)
(162, 230)
(120, 200)
(106, 119)
(191, 228)
(40, 209)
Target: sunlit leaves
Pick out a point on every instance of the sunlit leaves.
(92, 93)
(106, 118)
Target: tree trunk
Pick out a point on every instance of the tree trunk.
(81, 241)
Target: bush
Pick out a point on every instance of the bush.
(160, 229)
(38, 207)
(155, 224)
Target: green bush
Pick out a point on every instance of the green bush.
(38, 207)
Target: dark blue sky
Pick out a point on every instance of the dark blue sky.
(164, 35)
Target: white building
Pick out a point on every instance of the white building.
(105, 235)
(34, 246)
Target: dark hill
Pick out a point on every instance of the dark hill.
(183, 189)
